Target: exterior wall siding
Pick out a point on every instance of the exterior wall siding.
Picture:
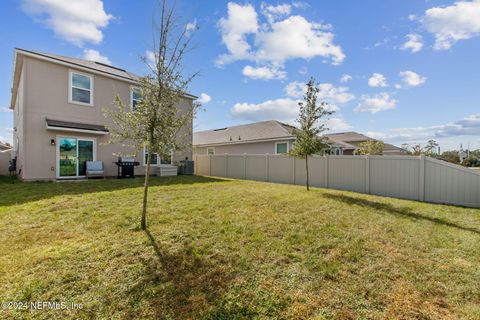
(406, 177)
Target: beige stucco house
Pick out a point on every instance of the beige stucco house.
(59, 122)
(273, 137)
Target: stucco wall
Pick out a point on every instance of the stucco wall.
(241, 148)
(47, 97)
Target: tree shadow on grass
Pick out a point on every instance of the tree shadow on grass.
(22, 192)
(181, 284)
(404, 212)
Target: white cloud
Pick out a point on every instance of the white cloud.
(337, 124)
(204, 98)
(276, 41)
(469, 126)
(241, 20)
(414, 43)
(264, 73)
(459, 21)
(94, 55)
(5, 109)
(279, 109)
(303, 70)
(377, 80)
(345, 78)
(295, 37)
(285, 110)
(376, 103)
(412, 79)
(191, 27)
(327, 92)
(272, 12)
(76, 21)
(412, 17)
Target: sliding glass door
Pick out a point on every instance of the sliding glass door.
(73, 153)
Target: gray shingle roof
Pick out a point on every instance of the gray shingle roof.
(265, 130)
(119, 72)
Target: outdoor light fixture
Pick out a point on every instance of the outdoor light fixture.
(52, 142)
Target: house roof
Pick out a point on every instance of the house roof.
(352, 140)
(5, 146)
(75, 125)
(258, 131)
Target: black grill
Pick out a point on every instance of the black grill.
(126, 168)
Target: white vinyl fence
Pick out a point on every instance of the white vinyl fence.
(407, 177)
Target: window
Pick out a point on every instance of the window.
(135, 97)
(81, 88)
(153, 158)
(211, 151)
(281, 147)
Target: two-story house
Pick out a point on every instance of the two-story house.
(59, 122)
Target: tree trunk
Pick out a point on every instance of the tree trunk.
(145, 193)
(306, 167)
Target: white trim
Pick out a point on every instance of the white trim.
(57, 154)
(76, 130)
(211, 148)
(144, 162)
(70, 86)
(282, 142)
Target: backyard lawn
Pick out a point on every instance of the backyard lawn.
(228, 249)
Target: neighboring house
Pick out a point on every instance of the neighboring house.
(351, 143)
(5, 146)
(272, 137)
(59, 123)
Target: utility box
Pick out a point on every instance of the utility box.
(186, 167)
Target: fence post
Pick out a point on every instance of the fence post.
(367, 173)
(210, 159)
(293, 175)
(326, 171)
(421, 177)
(226, 165)
(266, 167)
(245, 166)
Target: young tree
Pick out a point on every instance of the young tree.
(431, 148)
(371, 147)
(157, 123)
(311, 119)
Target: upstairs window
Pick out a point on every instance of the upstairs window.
(135, 97)
(211, 151)
(81, 88)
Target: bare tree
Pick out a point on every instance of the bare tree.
(156, 123)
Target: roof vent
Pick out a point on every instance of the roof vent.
(239, 138)
(220, 129)
(231, 138)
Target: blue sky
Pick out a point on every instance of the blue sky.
(402, 71)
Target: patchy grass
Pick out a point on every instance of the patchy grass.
(227, 249)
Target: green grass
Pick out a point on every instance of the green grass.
(227, 249)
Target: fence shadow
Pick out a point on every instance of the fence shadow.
(181, 284)
(18, 192)
(404, 212)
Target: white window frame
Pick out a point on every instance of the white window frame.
(144, 163)
(211, 148)
(282, 142)
(131, 96)
(70, 86)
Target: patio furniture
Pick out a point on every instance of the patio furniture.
(95, 169)
(126, 167)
